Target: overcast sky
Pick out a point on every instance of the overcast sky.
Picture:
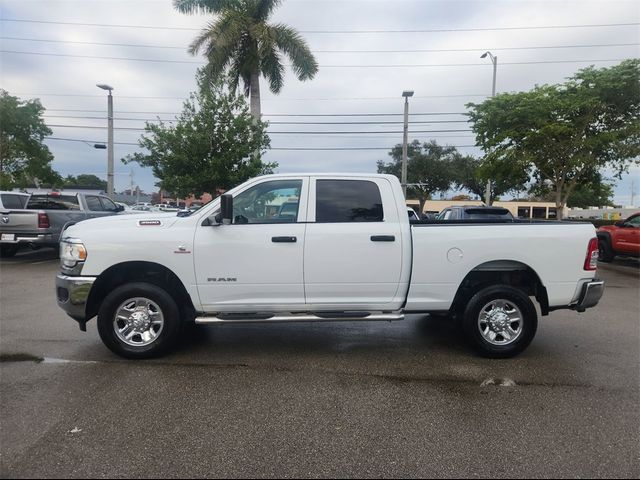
(364, 82)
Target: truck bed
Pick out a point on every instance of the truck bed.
(442, 261)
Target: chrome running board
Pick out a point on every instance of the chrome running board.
(300, 317)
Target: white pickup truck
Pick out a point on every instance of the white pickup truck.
(315, 248)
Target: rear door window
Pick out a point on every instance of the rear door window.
(53, 202)
(93, 204)
(339, 201)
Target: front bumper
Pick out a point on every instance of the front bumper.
(72, 294)
(591, 294)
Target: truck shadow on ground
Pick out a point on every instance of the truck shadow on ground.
(416, 334)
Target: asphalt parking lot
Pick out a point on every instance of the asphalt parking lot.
(339, 400)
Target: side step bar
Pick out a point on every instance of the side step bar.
(305, 317)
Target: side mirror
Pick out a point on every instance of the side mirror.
(619, 224)
(226, 209)
(119, 208)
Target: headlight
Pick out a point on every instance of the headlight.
(72, 251)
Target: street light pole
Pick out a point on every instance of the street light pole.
(494, 60)
(109, 139)
(406, 94)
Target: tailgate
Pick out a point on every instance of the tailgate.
(19, 221)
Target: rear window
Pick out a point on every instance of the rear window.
(13, 201)
(489, 214)
(339, 201)
(53, 202)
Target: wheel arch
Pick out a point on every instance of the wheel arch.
(139, 271)
(501, 272)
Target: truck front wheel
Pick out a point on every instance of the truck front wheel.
(500, 321)
(139, 320)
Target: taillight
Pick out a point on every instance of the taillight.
(591, 261)
(43, 220)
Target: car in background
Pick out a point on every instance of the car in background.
(13, 200)
(475, 212)
(46, 215)
(621, 238)
(413, 216)
(141, 208)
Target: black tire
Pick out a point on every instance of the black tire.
(605, 252)
(513, 296)
(167, 337)
(7, 251)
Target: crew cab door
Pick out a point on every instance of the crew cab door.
(257, 260)
(353, 247)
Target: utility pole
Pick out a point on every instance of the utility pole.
(109, 138)
(494, 60)
(406, 94)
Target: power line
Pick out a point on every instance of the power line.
(275, 148)
(93, 95)
(413, 65)
(435, 30)
(428, 50)
(280, 114)
(271, 122)
(95, 127)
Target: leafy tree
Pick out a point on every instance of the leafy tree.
(565, 132)
(472, 174)
(84, 181)
(593, 190)
(24, 159)
(429, 168)
(240, 41)
(215, 143)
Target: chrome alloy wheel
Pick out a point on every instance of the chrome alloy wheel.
(138, 322)
(500, 322)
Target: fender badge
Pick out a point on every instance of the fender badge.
(149, 223)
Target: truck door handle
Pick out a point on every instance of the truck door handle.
(284, 239)
(383, 238)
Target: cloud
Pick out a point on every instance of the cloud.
(334, 90)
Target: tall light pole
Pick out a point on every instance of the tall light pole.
(109, 138)
(406, 94)
(494, 60)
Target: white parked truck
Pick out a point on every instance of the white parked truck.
(347, 252)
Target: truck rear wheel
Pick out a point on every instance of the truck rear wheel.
(139, 320)
(500, 321)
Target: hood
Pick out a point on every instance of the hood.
(151, 221)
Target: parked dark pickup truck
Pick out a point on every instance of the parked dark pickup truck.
(41, 222)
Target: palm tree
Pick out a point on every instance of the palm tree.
(241, 43)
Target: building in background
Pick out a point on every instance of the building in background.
(518, 208)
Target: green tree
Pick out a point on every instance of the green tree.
(429, 168)
(214, 143)
(85, 181)
(240, 41)
(565, 132)
(472, 174)
(593, 190)
(24, 159)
